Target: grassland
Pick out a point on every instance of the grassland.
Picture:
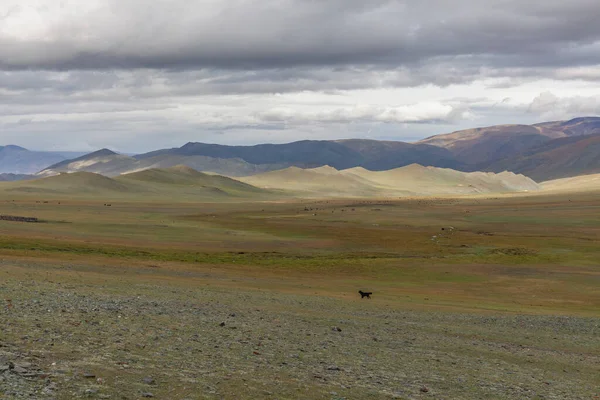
(473, 298)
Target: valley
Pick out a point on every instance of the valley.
(192, 299)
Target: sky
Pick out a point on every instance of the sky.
(139, 75)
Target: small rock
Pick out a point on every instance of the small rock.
(333, 368)
(149, 381)
(19, 370)
(147, 394)
(88, 375)
(90, 391)
(222, 324)
(424, 389)
(336, 329)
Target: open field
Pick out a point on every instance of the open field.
(474, 298)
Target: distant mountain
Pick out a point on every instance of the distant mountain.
(314, 153)
(105, 162)
(249, 160)
(543, 151)
(109, 163)
(377, 155)
(559, 158)
(18, 160)
(9, 177)
(573, 127)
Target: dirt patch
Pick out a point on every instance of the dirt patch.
(514, 251)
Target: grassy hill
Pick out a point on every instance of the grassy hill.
(177, 182)
(318, 182)
(412, 180)
(188, 180)
(74, 183)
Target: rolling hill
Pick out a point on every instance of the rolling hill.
(583, 183)
(412, 180)
(185, 179)
(325, 182)
(178, 182)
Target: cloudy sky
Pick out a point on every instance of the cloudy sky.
(137, 75)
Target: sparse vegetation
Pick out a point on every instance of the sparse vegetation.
(210, 300)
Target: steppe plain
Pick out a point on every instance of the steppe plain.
(489, 296)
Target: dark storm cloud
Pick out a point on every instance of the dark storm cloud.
(122, 72)
(243, 34)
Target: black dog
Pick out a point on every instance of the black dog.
(365, 294)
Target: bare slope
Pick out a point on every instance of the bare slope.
(319, 182)
(431, 180)
(582, 183)
(405, 181)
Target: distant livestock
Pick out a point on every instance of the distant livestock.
(365, 294)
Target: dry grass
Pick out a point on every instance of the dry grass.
(501, 303)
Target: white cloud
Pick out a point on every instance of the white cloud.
(549, 106)
(427, 112)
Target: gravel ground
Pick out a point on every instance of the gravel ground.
(76, 339)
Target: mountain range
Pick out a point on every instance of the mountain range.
(20, 161)
(544, 151)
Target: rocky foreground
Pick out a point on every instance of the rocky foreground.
(65, 339)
